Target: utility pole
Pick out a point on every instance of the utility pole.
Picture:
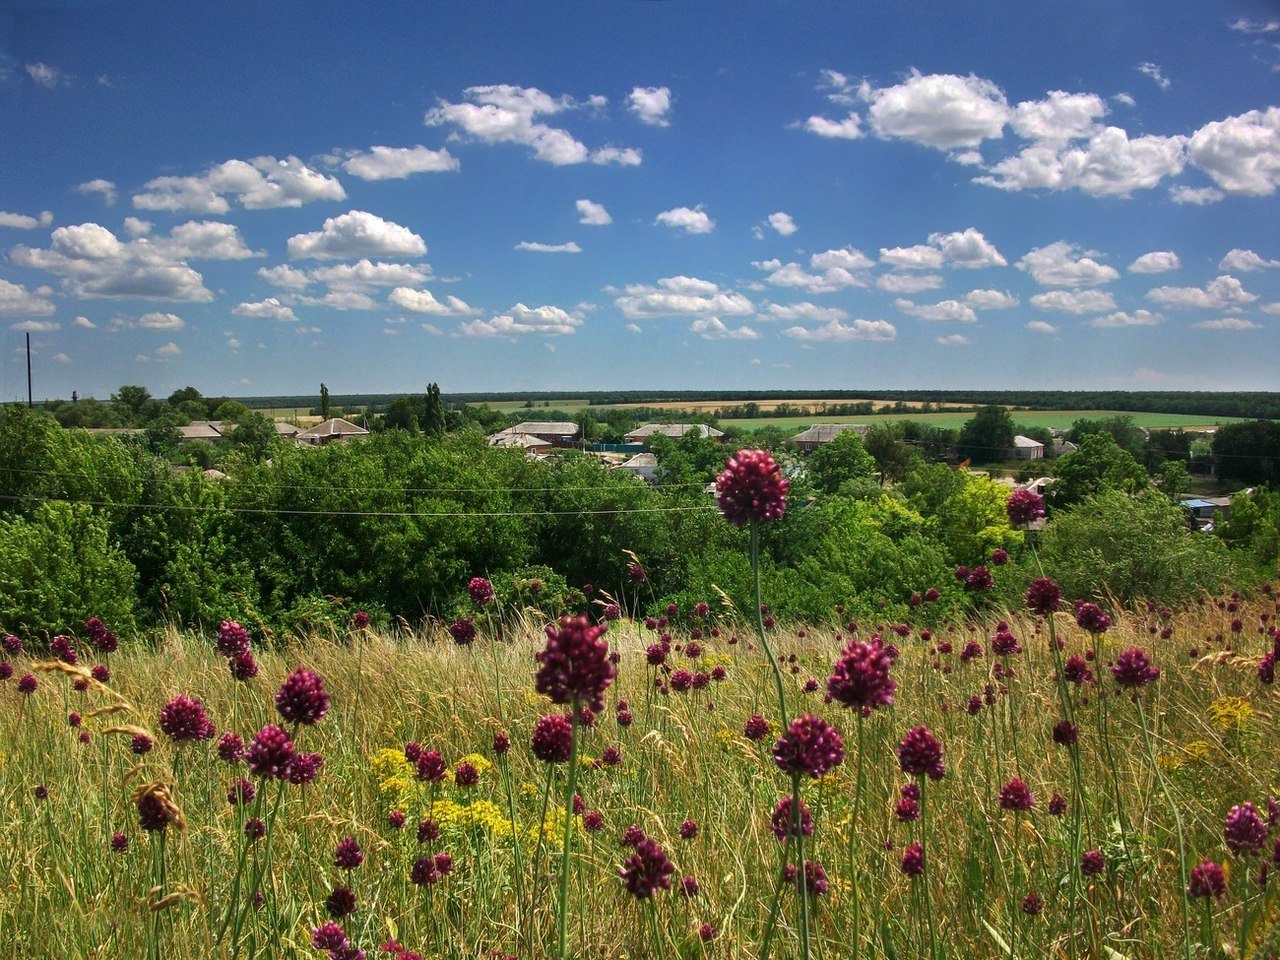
(30, 401)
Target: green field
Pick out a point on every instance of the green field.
(1053, 419)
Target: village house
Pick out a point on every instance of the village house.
(820, 433)
(1025, 448)
(643, 465)
(557, 433)
(336, 430)
(675, 431)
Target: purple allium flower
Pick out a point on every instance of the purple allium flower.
(241, 792)
(140, 744)
(465, 775)
(635, 574)
(270, 753)
(231, 748)
(756, 728)
(254, 829)
(61, 648)
(330, 937)
(592, 821)
(444, 864)
(412, 751)
(1133, 669)
(752, 488)
(395, 819)
(979, 580)
(1016, 796)
(575, 665)
(1032, 904)
(688, 830)
(815, 878)
(972, 650)
(1267, 668)
(701, 610)
(1207, 880)
(780, 822)
(99, 637)
(631, 836)
(1043, 596)
(100, 673)
(340, 903)
(12, 645)
(707, 933)
(73, 720)
(810, 745)
(1075, 670)
(1244, 831)
(552, 738)
(302, 697)
(119, 843)
(920, 754)
(610, 756)
(860, 677)
(85, 737)
(481, 591)
(647, 870)
(6, 670)
(428, 832)
(1092, 863)
(304, 768)
(681, 680)
(501, 743)
(1005, 644)
(360, 619)
(41, 792)
(233, 639)
(689, 886)
(423, 872)
(999, 557)
(913, 860)
(243, 667)
(184, 720)
(1089, 616)
(463, 631)
(1065, 733)
(1023, 506)
(430, 765)
(624, 718)
(154, 814)
(1057, 805)
(612, 612)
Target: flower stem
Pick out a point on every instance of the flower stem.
(1182, 849)
(764, 640)
(854, 818)
(562, 927)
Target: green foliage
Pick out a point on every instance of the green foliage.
(1131, 548)
(972, 521)
(58, 569)
(1119, 428)
(844, 458)
(987, 435)
(1254, 528)
(1098, 464)
(886, 444)
(1248, 452)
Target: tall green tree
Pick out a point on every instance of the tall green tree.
(1098, 464)
(987, 435)
(843, 458)
(324, 402)
(435, 417)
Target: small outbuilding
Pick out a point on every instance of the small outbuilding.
(1025, 448)
(643, 465)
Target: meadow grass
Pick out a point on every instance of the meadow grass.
(64, 894)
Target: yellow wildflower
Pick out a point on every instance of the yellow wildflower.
(1231, 714)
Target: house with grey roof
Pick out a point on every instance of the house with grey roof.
(1025, 448)
(336, 430)
(675, 431)
(820, 433)
(563, 433)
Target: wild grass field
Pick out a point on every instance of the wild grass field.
(1028, 848)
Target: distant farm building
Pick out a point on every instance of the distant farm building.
(673, 430)
(336, 430)
(820, 433)
(1024, 448)
(643, 465)
(531, 445)
(558, 434)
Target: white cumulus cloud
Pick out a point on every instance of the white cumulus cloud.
(1157, 261)
(908, 282)
(954, 340)
(651, 104)
(713, 328)
(1040, 326)
(693, 220)
(424, 301)
(569, 247)
(1063, 264)
(20, 221)
(938, 110)
(104, 188)
(839, 332)
(268, 309)
(1074, 301)
(521, 320)
(593, 214)
(782, 223)
(967, 249)
(397, 163)
(1245, 261)
(945, 311)
(161, 321)
(258, 184)
(1227, 323)
(1059, 117)
(833, 270)
(1153, 71)
(1139, 318)
(681, 297)
(1241, 154)
(1108, 164)
(990, 300)
(356, 234)
(1225, 291)
(850, 128)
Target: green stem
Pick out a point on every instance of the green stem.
(562, 923)
(924, 840)
(1182, 849)
(802, 882)
(853, 846)
(764, 640)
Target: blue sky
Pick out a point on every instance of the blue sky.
(255, 198)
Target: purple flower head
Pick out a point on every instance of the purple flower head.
(230, 748)
(757, 727)
(154, 813)
(815, 878)
(1005, 644)
(430, 765)
(119, 843)
(6, 670)
(12, 645)
(1043, 596)
(233, 639)
(360, 619)
(341, 902)
(61, 648)
(1024, 506)
(348, 855)
(1132, 668)
(575, 664)
(254, 829)
(1016, 796)
(184, 720)
(1065, 733)
(552, 738)
(1032, 904)
(612, 612)
(304, 768)
(302, 697)
(752, 488)
(781, 821)
(140, 744)
(979, 580)
(1057, 805)
(329, 936)
(1244, 830)
(501, 743)
(913, 860)
(395, 819)
(860, 678)
(270, 753)
(636, 574)
(424, 872)
(466, 775)
(810, 745)
(241, 792)
(920, 754)
(1075, 670)
(1207, 880)
(688, 830)
(243, 667)
(99, 637)
(101, 673)
(647, 870)
(1089, 616)
(1092, 863)
(481, 591)
(681, 680)
(999, 557)
(463, 631)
